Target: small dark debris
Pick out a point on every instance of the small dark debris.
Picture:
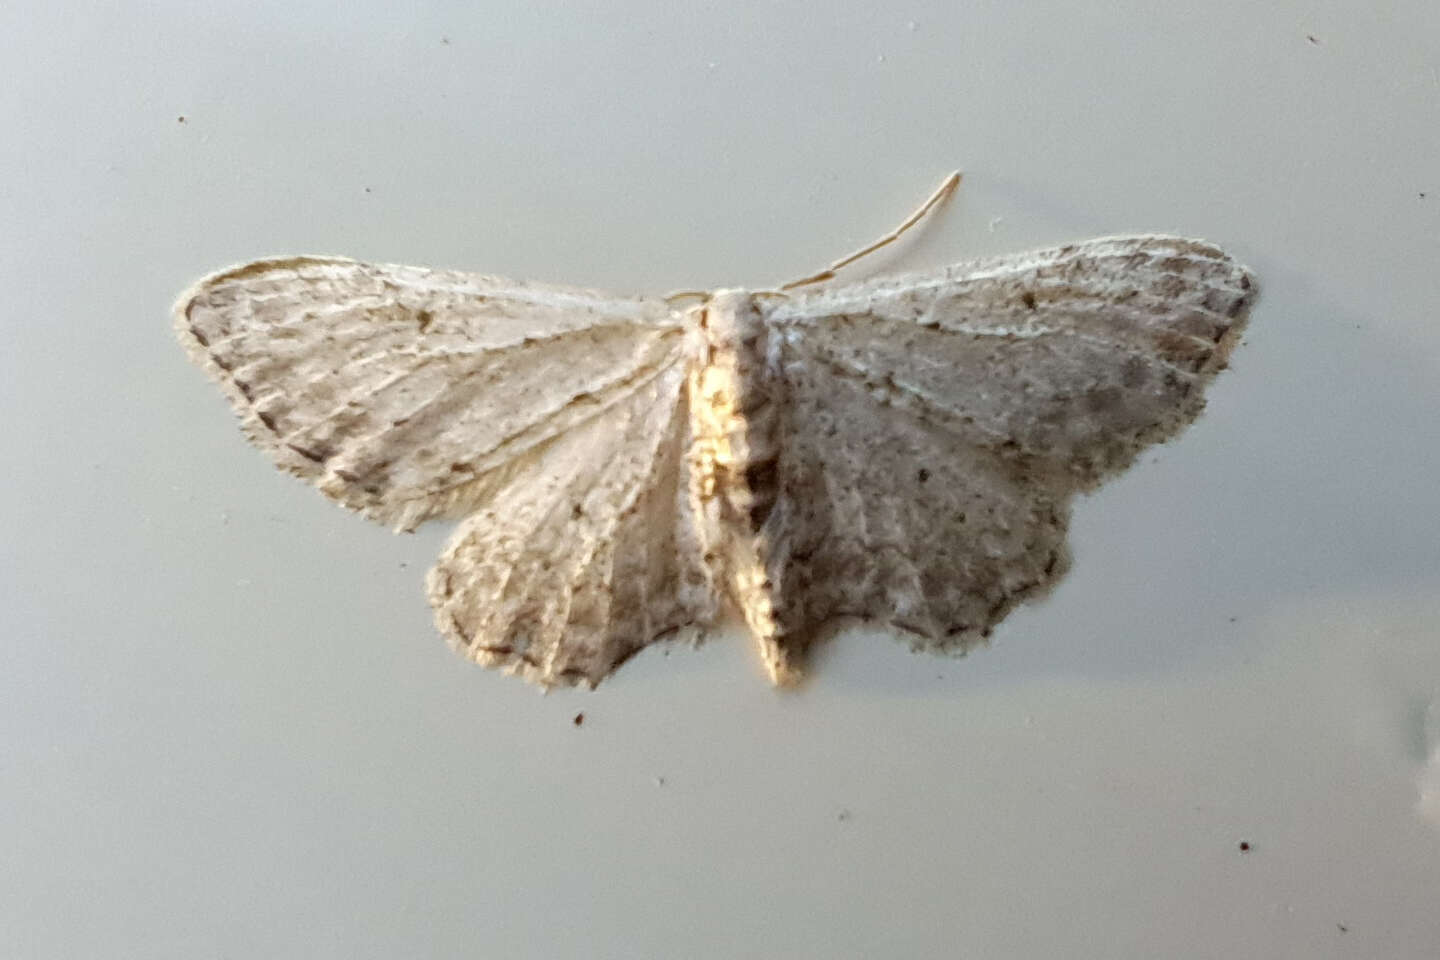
(843, 816)
(1233, 619)
(923, 475)
(1422, 194)
(444, 41)
(367, 189)
(1029, 299)
(181, 119)
(1244, 846)
(579, 719)
(1314, 40)
(404, 565)
(1342, 928)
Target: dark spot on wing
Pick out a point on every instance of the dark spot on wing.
(1133, 372)
(762, 475)
(318, 456)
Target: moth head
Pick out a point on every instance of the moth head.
(732, 316)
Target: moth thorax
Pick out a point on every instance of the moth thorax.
(741, 397)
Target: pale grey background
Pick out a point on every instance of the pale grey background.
(227, 728)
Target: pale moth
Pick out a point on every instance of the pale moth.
(902, 450)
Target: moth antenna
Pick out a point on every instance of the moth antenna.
(940, 194)
(670, 298)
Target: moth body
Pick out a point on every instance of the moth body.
(737, 402)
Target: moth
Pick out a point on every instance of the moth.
(902, 450)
